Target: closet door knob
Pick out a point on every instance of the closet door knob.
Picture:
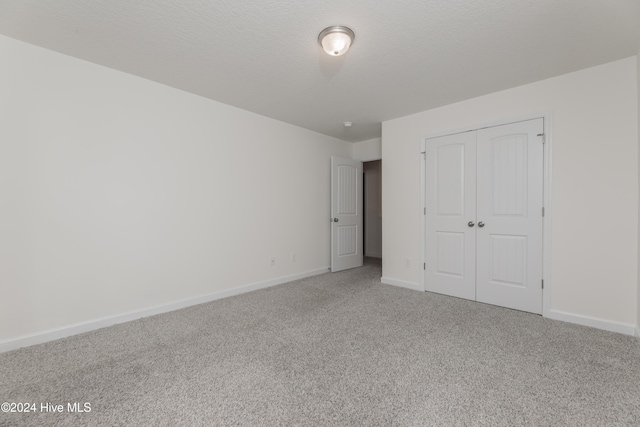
(481, 224)
(470, 224)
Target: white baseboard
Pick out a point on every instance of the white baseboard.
(594, 322)
(401, 283)
(91, 325)
(373, 254)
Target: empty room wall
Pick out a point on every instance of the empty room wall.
(594, 195)
(638, 87)
(120, 194)
(368, 150)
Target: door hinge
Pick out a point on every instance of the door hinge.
(544, 139)
(543, 211)
(424, 265)
(425, 211)
(542, 283)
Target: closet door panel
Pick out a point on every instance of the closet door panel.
(509, 215)
(450, 207)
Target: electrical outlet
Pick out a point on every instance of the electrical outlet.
(293, 257)
(407, 263)
(273, 261)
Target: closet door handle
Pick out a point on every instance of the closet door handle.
(470, 224)
(481, 224)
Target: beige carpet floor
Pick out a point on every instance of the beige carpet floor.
(335, 349)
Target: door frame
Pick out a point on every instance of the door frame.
(546, 201)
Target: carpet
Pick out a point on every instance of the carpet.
(335, 349)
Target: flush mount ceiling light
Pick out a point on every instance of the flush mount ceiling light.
(336, 40)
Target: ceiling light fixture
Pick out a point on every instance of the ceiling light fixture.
(336, 40)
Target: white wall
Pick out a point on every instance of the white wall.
(638, 87)
(594, 217)
(119, 194)
(366, 151)
(373, 209)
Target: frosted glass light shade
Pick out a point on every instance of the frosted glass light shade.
(336, 40)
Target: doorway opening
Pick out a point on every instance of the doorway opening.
(372, 210)
(351, 242)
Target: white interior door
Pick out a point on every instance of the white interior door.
(484, 197)
(510, 185)
(346, 214)
(451, 211)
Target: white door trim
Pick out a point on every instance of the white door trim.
(547, 187)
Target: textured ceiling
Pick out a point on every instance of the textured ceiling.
(263, 56)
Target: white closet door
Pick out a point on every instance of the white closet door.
(346, 214)
(509, 215)
(451, 212)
